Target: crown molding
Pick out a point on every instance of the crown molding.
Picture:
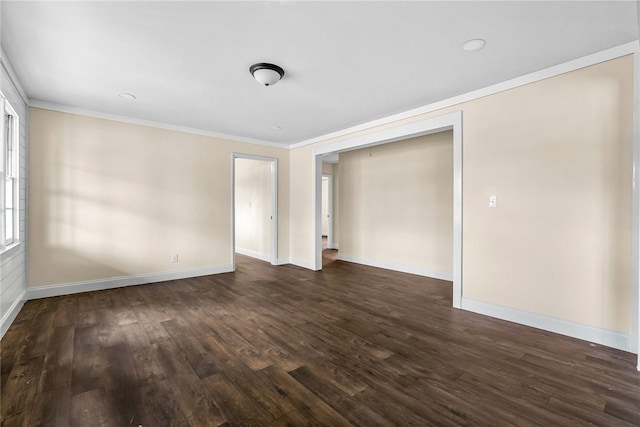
(565, 67)
(131, 120)
(13, 78)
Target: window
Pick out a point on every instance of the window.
(9, 191)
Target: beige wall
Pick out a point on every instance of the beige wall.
(557, 154)
(328, 168)
(112, 199)
(301, 244)
(397, 204)
(253, 206)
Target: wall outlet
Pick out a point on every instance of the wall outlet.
(174, 258)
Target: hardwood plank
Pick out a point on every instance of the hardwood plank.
(291, 419)
(67, 311)
(58, 362)
(13, 345)
(51, 408)
(263, 394)
(195, 402)
(87, 318)
(236, 406)
(201, 361)
(353, 411)
(151, 320)
(89, 362)
(146, 365)
(38, 340)
(20, 389)
(122, 386)
(91, 409)
(160, 407)
(303, 400)
(266, 345)
(14, 420)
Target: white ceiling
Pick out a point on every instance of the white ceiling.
(346, 62)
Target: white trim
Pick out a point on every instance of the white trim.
(576, 64)
(449, 121)
(419, 271)
(273, 189)
(282, 261)
(11, 314)
(635, 239)
(329, 177)
(150, 123)
(13, 77)
(118, 282)
(576, 330)
(302, 263)
(9, 250)
(254, 254)
(316, 192)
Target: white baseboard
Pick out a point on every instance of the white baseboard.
(118, 282)
(564, 327)
(442, 275)
(254, 254)
(303, 263)
(282, 261)
(11, 314)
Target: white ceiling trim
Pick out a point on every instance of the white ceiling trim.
(125, 119)
(13, 78)
(576, 64)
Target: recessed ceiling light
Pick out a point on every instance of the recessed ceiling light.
(473, 45)
(127, 96)
(276, 127)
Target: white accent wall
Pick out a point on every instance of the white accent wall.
(13, 263)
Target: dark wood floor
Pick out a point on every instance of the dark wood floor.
(351, 345)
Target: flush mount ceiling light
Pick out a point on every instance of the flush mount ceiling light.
(473, 45)
(266, 74)
(127, 96)
(276, 127)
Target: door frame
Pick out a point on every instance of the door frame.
(450, 121)
(329, 177)
(273, 188)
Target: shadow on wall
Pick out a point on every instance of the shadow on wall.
(114, 200)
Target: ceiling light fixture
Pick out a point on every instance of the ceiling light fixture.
(473, 45)
(266, 74)
(276, 127)
(127, 96)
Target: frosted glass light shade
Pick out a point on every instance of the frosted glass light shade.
(266, 74)
(266, 77)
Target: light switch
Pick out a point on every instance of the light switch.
(493, 202)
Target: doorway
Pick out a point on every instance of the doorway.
(327, 210)
(451, 121)
(255, 207)
(329, 249)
